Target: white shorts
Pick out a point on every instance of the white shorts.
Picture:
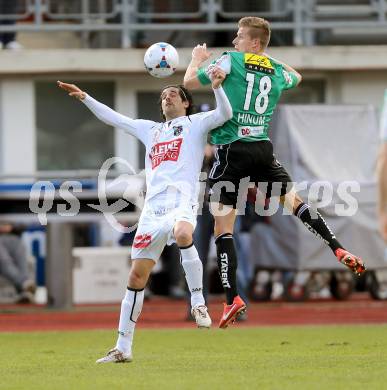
(156, 224)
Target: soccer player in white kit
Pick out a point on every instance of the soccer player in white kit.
(173, 159)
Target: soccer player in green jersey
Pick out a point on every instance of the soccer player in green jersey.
(253, 84)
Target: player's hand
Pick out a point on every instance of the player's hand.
(72, 89)
(217, 76)
(200, 53)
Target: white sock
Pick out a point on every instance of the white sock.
(193, 269)
(131, 307)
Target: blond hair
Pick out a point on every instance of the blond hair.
(258, 28)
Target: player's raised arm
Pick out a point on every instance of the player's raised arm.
(136, 127)
(223, 111)
(200, 54)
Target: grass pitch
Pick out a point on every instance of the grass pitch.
(329, 357)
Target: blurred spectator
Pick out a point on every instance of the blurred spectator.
(8, 39)
(382, 172)
(13, 264)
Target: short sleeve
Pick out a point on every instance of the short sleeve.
(223, 62)
(203, 77)
(290, 78)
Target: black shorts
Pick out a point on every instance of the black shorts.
(241, 160)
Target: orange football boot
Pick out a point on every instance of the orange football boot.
(354, 263)
(231, 312)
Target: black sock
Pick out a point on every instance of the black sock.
(316, 224)
(227, 265)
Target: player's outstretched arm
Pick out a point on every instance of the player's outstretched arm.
(136, 127)
(101, 111)
(200, 54)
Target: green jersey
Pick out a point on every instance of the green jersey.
(253, 85)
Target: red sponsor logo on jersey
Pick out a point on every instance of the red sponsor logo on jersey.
(165, 151)
(142, 241)
(245, 131)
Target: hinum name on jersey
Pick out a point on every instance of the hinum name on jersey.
(250, 119)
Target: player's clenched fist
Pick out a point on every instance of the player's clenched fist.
(217, 77)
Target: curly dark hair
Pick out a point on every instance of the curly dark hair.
(185, 95)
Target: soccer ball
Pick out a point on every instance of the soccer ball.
(161, 60)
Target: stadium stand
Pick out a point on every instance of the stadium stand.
(130, 23)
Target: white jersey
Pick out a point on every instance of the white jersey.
(174, 149)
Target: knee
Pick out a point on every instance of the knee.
(291, 201)
(137, 279)
(221, 228)
(225, 223)
(183, 236)
(218, 229)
